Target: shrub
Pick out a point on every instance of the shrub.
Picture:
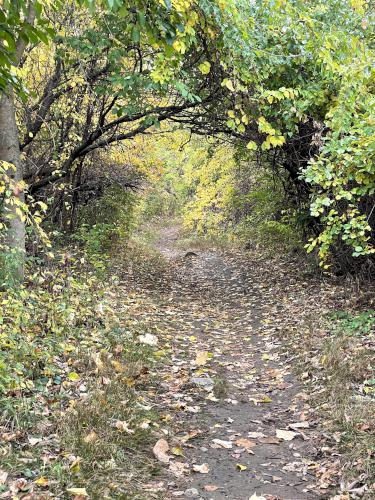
(104, 222)
(45, 321)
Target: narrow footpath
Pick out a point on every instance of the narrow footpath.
(240, 420)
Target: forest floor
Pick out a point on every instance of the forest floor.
(212, 373)
(242, 392)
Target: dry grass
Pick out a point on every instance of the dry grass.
(100, 441)
(107, 437)
(348, 364)
(338, 354)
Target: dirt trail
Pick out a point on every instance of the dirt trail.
(228, 381)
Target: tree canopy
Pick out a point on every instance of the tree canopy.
(287, 82)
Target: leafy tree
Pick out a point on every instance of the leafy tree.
(290, 81)
(113, 90)
(301, 96)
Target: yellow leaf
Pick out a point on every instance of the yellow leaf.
(241, 467)
(266, 399)
(130, 382)
(73, 376)
(205, 68)
(251, 146)
(228, 84)
(117, 366)
(178, 451)
(76, 465)
(41, 481)
(202, 358)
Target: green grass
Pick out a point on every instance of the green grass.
(359, 324)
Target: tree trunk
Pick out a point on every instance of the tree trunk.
(10, 152)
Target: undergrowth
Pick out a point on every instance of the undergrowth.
(349, 377)
(340, 360)
(75, 415)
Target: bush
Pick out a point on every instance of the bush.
(266, 219)
(158, 201)
(104, 222)
(45, 322)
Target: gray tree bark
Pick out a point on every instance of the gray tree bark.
(10, 152)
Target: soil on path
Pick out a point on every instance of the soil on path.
(240, 419)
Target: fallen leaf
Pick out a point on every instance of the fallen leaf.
(285, 435)
(210, 487)
(178, 451)
(160, 451)
(3, 476)
(41, 481)
(76, 465)
(223, 444)
(119, 368)
(145, 424)
(154, 486)
(178, 468)
(245, 443)
(191, 435)
(265, 399)
(98, 361)
(148, 339)
(123, 426)
(256, 435)
(299, 425)
(269, 440)
(241, 467)
(202, 358)
(90, 438)
(34, 441)
(73, 376)
(211, 397)
(203, 469)
(77, 492)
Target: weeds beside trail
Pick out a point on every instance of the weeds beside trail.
(213, 375)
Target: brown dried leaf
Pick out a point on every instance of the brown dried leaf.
(160, 451)
(245, 443)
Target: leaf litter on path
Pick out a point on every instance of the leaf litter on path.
(223, 342)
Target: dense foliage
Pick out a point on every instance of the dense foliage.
(290, 81)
